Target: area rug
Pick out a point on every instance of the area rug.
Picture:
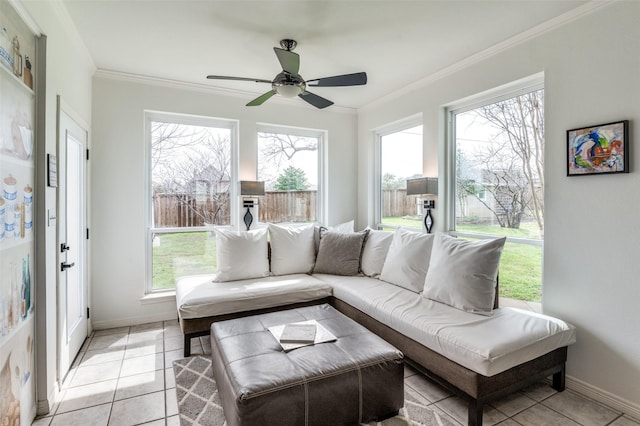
(199, 405)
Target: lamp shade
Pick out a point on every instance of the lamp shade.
(250, 187)
(422, 186)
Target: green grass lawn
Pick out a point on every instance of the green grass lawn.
(520, 265)
(183, 253)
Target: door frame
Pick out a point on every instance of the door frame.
(63, 108)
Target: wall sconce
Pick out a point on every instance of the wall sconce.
(251, 188)
(424, 186)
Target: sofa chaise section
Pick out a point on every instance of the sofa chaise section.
(201, 301)
(478, 357)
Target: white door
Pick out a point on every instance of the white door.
(72, 290)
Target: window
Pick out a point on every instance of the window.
(289, 163)
(499, 183)
(190, 175)
(399, 158)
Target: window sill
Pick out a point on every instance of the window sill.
(165, 296)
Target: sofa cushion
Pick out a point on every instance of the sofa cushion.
(407, 260)
(292, 249)
(198, 297)
(374, 252)
(339, 253)
(463, 273)
(241, 255)
(485, 344)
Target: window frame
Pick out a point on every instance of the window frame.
(150, 229)
(322, 136)
(379, 133)
(498, 94)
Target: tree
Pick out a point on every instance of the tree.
(277, 151)
(292, 179)
(520, 122)
(391, 181)
(184, 160)
(510, 168)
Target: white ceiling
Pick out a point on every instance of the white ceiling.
(395, 42)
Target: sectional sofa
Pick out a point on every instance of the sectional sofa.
(432, 296)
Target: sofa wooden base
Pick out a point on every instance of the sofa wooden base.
(472, 386)
(196, 327)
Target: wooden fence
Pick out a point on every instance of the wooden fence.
(289, 206)
(183, 210)
(396, 203)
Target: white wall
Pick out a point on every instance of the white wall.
(591, 70)
(119, 224)
(69, 72)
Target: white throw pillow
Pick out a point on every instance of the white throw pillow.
(463, 273)
(343, 228)
(407, 260)
(374, 252)
(241, 255)
(292, 249)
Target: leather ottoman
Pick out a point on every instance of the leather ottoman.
(354, 379)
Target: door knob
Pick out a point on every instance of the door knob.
(64, 247)
(65, 265)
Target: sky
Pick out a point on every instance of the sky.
(401, 153)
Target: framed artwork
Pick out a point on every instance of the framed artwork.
(599, 149)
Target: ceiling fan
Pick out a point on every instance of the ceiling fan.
(289, 83)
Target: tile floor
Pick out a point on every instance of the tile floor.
(124, 377)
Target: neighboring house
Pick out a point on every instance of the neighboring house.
(489, 202)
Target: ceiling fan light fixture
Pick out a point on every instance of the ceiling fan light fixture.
(288, 90)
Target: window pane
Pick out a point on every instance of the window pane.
(190, 175)
(500, 184)
(400, 159)
(499, 160)
(288, 165)
(180, 254)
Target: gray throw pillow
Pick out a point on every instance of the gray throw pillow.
(463, 273)
(339, 253)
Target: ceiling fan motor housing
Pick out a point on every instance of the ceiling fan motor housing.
(288, 44)
(288, 85)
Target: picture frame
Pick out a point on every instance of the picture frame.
(599, 149)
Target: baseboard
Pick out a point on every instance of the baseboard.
(604, 397)
(124, 322)
(46, 406)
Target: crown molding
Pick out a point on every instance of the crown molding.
(70, 29)
(530, 34)
(204, 88)
(26, 16)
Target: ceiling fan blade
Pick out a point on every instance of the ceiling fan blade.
(356, 79)
(315, 100)
(262, 98)
(289, 60)
(223, 77)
